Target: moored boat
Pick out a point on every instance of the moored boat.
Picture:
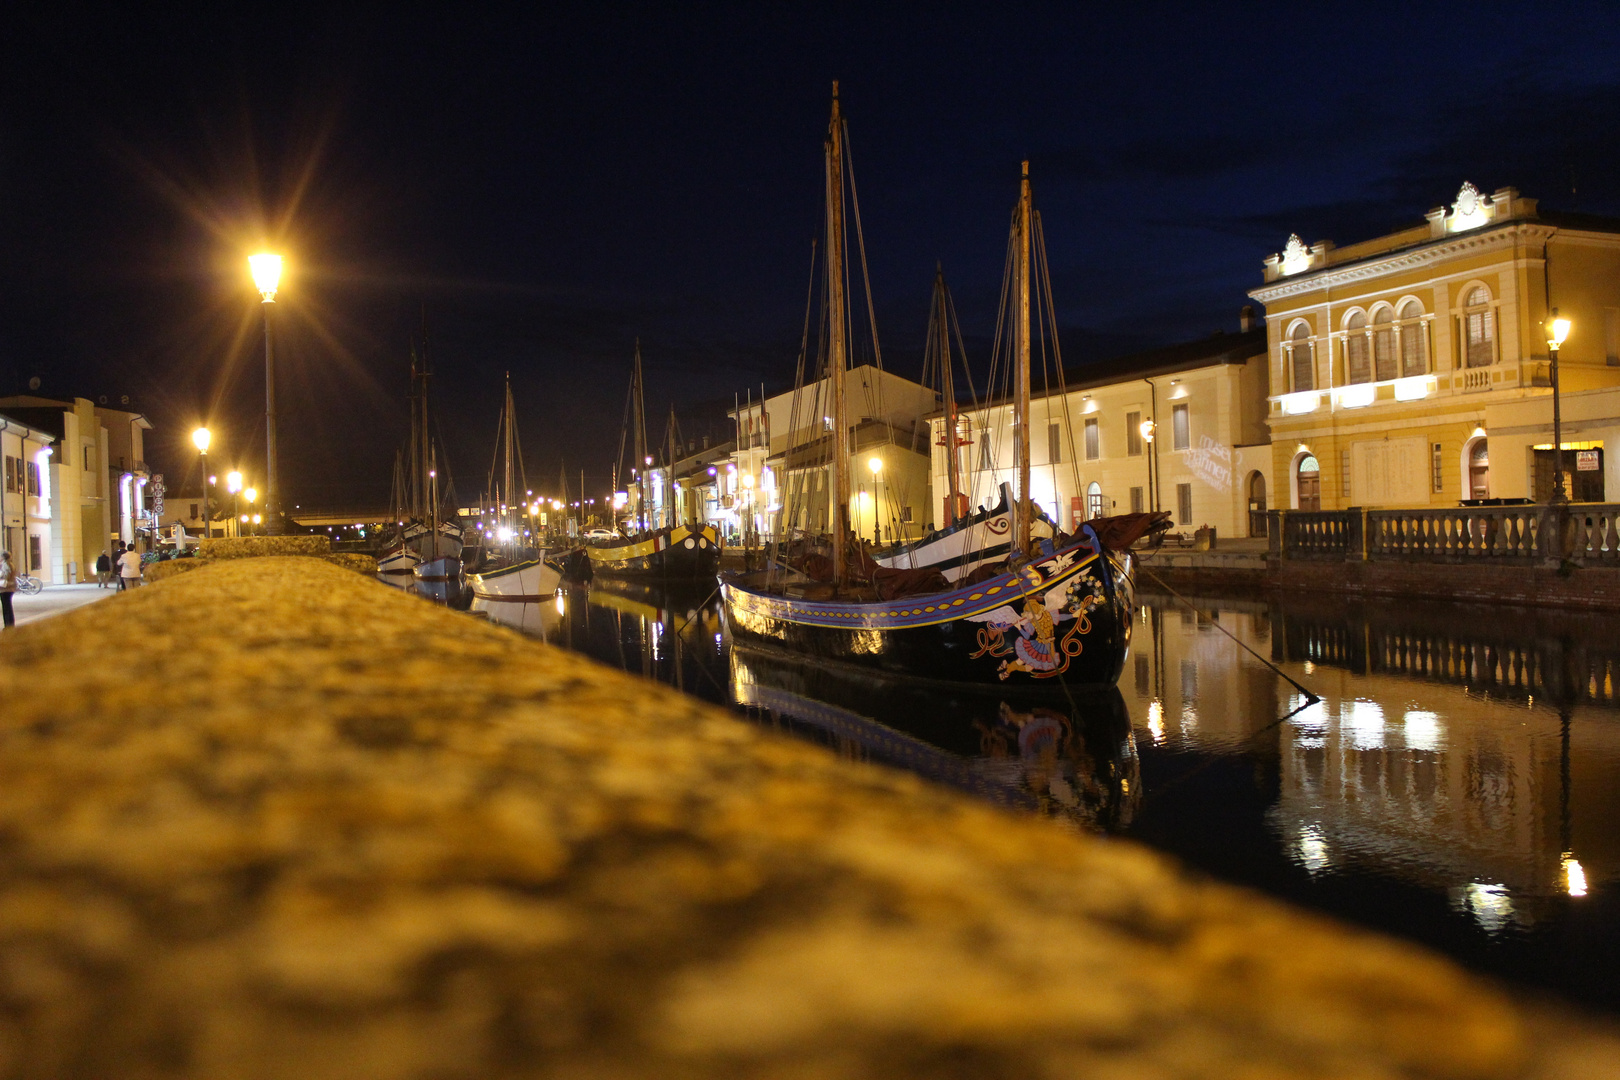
(681, 553)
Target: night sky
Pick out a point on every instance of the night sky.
(551, 184)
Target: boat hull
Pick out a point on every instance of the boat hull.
(956, 551)
(1062, 619)
(684, 553)
(439, 578)
(399, 562)
(530, 580)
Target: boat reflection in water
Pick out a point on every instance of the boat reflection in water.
(1458, 783)
(543, 619)
(1073, 759)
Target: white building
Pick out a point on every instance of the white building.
(1181, 429)
(25, 496)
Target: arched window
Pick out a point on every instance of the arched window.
(1299, 358)
(1094, 500)
(1308, 477)
(1414, 357)
(1384, 344)
(1355, 349)
(1480, 334)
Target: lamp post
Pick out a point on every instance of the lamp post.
(1557, 331)
(251, 495)
(266, 270)
(233, 484)
(201, 438)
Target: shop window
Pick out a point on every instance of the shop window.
(1414, 353)
(1180, 427)
(1357, 363)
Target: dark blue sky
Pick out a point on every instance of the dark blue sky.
(554, 183)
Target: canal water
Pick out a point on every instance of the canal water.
(1458, 783)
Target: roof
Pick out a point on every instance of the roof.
(1213, 351)
(40, 419)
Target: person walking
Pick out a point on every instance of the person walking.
(8, 585)
(118, 553)
(103, 570)
(129, 568)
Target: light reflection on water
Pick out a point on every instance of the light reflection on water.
(1458, 782)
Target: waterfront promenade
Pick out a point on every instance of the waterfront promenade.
(55, 599)
(336, 831)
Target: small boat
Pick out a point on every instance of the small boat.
(669, 552)
(426, 546)
(1057, 609)
(969, 543)
(515, 571)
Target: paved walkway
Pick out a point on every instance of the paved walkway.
(55, 599)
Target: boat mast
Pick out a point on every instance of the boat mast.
(836, 356)
(669, 469)
(1021, 511)
(640, 422)
(426, 473)
(511, 445)
(942, 351)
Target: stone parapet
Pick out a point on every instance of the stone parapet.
(340, 832)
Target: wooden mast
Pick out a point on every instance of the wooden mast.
(1021, 510)
(640, 422)
(837, 346)
(511, 442)
(942, 351)
(669, 470)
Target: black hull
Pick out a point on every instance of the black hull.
(1086, 645)
(682, 555)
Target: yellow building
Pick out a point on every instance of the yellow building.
(1388, 358)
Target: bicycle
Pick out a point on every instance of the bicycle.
(28, 584)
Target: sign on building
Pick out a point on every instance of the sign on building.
(1586, 461)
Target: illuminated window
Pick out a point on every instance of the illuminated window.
(1357, 365)
(1384, 345)
(1180, 427)
(1481, 328)
(1093, 450)
(1299, 359)
(1094, 501)
(1133, 434)
(1414, 356)
(1437, 467)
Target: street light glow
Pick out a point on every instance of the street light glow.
(250, 494)
(233, 481)
(1557, 330)
(266, 269)
(201, 437)
(876, 465)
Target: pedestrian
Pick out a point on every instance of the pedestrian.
(8, 585)
(103, 570)
(129, 568)
(117, 555)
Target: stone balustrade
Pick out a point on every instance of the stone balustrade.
(1584, 534)
(271, 819)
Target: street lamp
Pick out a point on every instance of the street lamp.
(251, 494)
(1557, 331)
(201, 438)
(233, 484)
(266, 270)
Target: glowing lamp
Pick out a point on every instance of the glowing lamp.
(201, 438)
(1146, 428)
(876, 465)
(233, 481)
(1557, 330)
(250, 494)
(266, 270)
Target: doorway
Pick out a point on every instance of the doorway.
(1479, 470)
(1094, 501)
(1309, 475)
(1257, 503)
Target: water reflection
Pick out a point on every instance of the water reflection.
(1458, 781)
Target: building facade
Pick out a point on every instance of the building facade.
(1179, 429)
(1395, 363)
(26, 497)
(101, 490)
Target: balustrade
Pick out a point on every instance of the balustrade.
(1461, 534)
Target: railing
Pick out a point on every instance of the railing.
(1513, 532)
(1476, 379)
(1316, 535)
(1585, 533)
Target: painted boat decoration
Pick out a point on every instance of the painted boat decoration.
(529, 580)
(680, 554)
(1065, 615)
(958, 550)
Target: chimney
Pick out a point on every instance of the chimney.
(1246, 318)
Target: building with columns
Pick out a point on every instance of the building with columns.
(1412, 369)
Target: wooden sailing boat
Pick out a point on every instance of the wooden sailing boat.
(425, 534)
(1057, 609)
(966, 541)
(672, 551)
(514, 570)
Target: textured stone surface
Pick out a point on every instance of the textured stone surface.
(338, 832)
(252, 547)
